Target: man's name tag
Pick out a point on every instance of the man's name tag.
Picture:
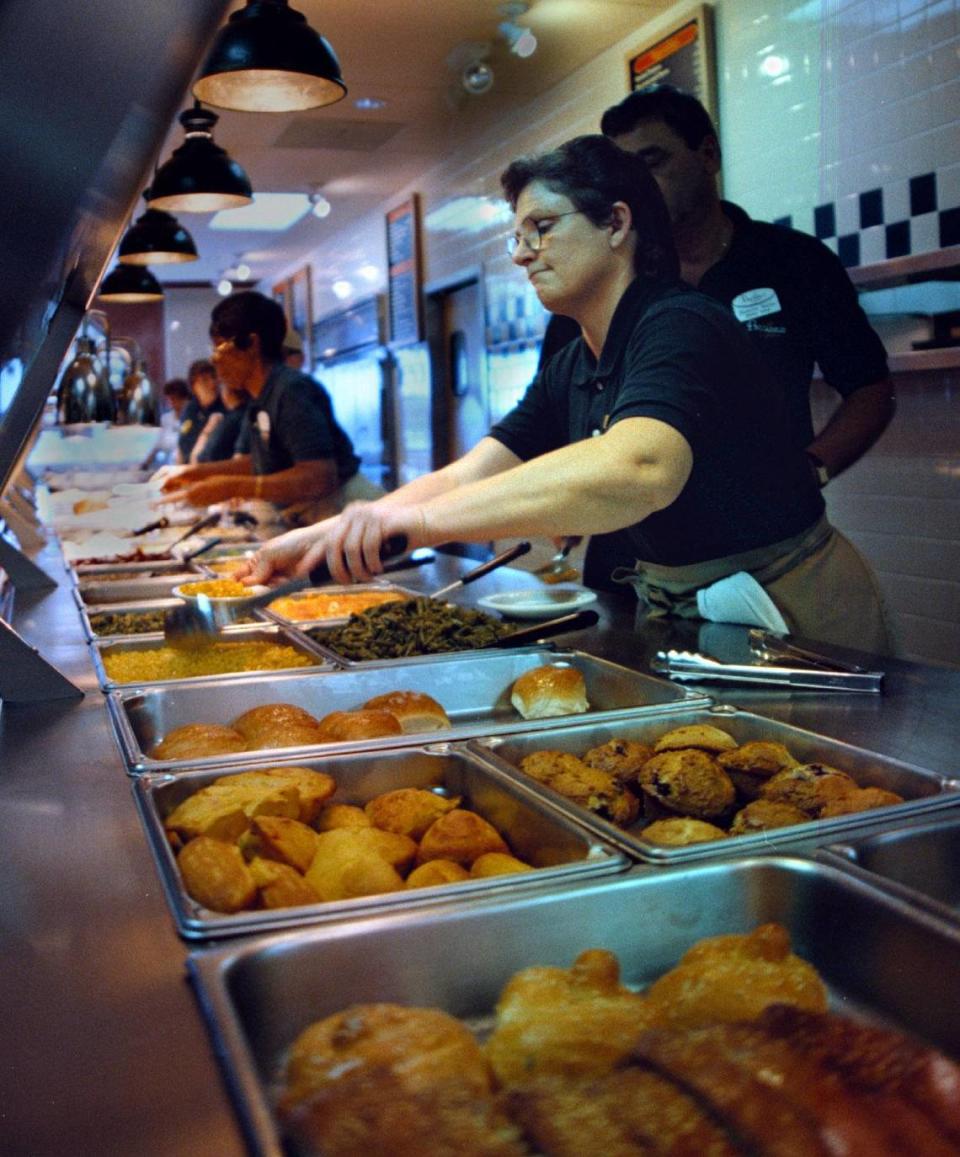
(755, 303)
(263, 424)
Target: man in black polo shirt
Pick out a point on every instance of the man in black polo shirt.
(292, 450)
(787, 289)
(659, 419)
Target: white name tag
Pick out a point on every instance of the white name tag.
(263, 424)
(755, 303)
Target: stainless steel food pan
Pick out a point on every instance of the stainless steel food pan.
(149, 608)
(362, 588)
(561, 851)
(131, 590)
(258, 633)
(114, 571)
(879, 957)
(474, 689)
(922, 790)
(919, 861)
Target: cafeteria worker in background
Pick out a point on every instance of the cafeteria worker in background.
(659, 418)
(293, 450)
(203, 403)
(786, 288)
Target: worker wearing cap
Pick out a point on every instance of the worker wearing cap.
(293, 350)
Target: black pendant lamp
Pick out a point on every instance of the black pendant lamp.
(199, 176)
(127, 284)
(156, 238)
(267, 58)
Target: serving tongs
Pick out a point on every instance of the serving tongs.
(693, 665)
(771, 648)
(196, 623)
(195, 527)
(484, 568)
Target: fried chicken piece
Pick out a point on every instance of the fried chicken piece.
(735, 977)
(590, 787)
(577, 1020)
(371, 1112)
(627, 1113)
(621, 757)
(875, 1060)
(421, 1046)
(771, 1096)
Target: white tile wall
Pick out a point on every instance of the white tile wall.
(872, 99)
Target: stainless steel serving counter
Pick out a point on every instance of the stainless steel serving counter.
(103, 1049)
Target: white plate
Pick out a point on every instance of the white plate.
(539, 604)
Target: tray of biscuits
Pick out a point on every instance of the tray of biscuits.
(272, 846)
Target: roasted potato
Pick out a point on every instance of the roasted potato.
(408, 811)
(461, 836)
(216, 875)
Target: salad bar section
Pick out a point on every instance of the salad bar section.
(281, 892)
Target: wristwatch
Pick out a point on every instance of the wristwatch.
(820, 471)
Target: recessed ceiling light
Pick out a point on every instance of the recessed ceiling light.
(369, 102)
(269, 212)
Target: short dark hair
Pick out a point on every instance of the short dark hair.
(248, 312)
(678, 110)
(176, 388)
(594, 173)
(202, 367)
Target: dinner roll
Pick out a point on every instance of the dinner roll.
(197, 740)
(348, 726)
(278, 725)
(552, 690)
(415, 710)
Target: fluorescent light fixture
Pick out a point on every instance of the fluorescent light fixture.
(468, 214)
(270, 212)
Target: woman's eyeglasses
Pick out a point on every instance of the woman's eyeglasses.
(532, 232)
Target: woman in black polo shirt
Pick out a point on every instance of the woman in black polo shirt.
(659, 419)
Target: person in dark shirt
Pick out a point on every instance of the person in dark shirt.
(786, 288)
(221, 435)
(205, 401)
(660, 418)
(292, 449)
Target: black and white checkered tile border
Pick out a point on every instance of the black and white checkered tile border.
(877, 231)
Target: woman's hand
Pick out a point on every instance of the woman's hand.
(350, 545)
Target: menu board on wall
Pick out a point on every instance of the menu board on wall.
(683, 58)
(404, 273)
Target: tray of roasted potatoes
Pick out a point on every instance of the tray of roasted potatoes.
(220, 721)
(701, 782)
(271, 846)
(761, 1006)
(916, 860)
(149, 659)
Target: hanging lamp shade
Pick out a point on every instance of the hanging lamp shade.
(267, 58)
(199, 176)
(130, 283)
(156, 238)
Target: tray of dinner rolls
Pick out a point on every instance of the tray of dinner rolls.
(746, 1007)
(220, 721)
(916, 860)
(149, 658)
(278, 845)
(700, 782)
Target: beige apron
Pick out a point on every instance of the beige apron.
(355, 489)
(817, 579)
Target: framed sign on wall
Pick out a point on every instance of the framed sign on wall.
(683, 57)
(405, 273)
